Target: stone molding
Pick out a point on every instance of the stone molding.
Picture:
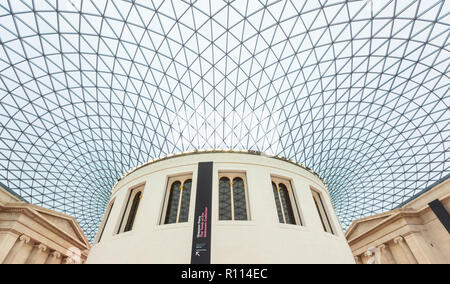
(25, 239)
(41, 247)
(33, 214)
(398, 240)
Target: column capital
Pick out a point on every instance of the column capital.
(24, 238)
(382, 246)
(406, 249)
(399, 240)
(386, 256)
(42, 247)
(55, 254)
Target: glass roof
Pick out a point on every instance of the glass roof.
(356, 90)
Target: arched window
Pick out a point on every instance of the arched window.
(185, 201)
(240, 202)
(178, 203)
(224, 199)
(174, 201)
(131, 209)
(233, 198)
(323, 214)
(278, 203)
(110, 207)
(287, 205)
(285, 202)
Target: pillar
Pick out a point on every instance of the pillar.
(386, 254)
(20, 251)
(421, 251)
(7, 241)
(54, 258)
(406, 250)
(38, 255)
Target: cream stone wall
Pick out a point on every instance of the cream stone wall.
(262, 239)
(33, 235)
(409, 235)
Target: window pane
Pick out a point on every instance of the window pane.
(287, 205)
(133, 211)
(185, 202)
(277, 202)
(240, 204)
(172, 205)
(224, 199)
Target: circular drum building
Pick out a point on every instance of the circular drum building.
(220, 207)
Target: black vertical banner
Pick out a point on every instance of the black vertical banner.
(440, 212)
(201, 243)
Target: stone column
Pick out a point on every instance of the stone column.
(7, 241)
(54, 258)
(357, 259)
(20, 251)
(38, 255)
(386, 254)
(406, 250)
(420, 249)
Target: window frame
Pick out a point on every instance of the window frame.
(322, 210)
(298, 217)
(232, 175)
(182, 178)
(132, 192)
(105, 220)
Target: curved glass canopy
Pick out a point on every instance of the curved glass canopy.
(356, 90)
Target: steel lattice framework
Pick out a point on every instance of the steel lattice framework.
(356, 90)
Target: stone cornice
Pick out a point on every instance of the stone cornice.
(29, 211)
(356, 223)
(42, 247)
(55, 254)
(220, 151)
(391, 213)
(72, 220)
(397, 215)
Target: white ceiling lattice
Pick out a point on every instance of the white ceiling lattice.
(356, 90)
